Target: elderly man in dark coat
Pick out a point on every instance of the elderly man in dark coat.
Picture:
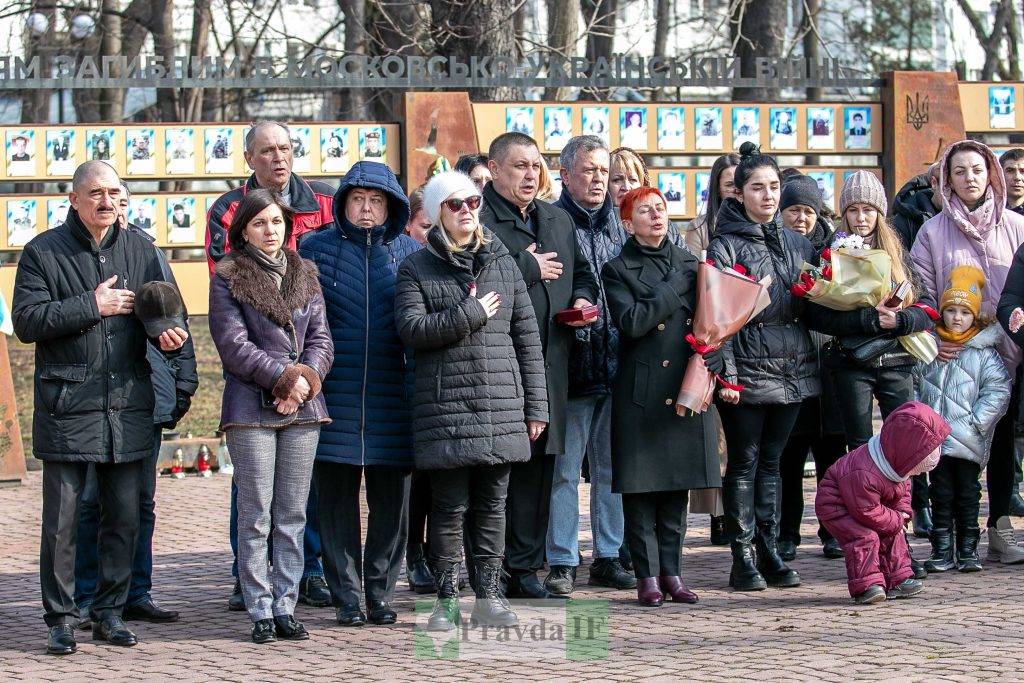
(74, 298)
(542, 240)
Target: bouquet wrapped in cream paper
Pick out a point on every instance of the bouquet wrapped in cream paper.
(850, 277)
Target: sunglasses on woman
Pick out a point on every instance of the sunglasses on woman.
(455, 205)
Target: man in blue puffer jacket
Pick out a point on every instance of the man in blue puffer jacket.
(366, 393)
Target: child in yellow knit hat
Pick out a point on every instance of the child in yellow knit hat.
(971, 392)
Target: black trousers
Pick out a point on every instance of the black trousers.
(654, 531)
(955, 493)
(755, 436)
(63, 483)
(526, 510)
(827, 448)
(419, 511)
(999, 473)
(892, 387)
(481, 490)
(351, 569)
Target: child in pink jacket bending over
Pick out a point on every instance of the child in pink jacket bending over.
(864, 501)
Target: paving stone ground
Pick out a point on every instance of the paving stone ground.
(964, 627)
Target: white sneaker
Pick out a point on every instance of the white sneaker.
(1002, 546)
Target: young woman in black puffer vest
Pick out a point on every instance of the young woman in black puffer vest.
(773, 359)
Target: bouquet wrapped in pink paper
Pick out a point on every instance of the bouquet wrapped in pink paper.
(726, 301)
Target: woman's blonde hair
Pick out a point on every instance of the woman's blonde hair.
(632, 162)
(545, 186)
(886, 239)
(478, 240)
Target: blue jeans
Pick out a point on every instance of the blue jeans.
(310, 535)
(587, 431)
(87, 549)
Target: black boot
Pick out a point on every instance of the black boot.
(446, 616)
(625, 559)
(421, 580)
(491, 608)
(718, 536)
(916, 565)
(744, 575)
(739, 513)
(942, 552)
(967, 559)
(1016, 504)
(771, 565)
(923, 522)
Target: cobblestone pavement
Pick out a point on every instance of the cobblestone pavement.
(964, 627)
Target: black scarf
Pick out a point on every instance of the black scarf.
(661, 256)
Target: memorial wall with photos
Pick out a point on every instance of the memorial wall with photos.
(172, 219)
(674, 128)
(180, 152)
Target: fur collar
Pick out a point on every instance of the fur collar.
(250, 285)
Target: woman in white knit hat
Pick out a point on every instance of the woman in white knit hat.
(865, 357)
(461, 304)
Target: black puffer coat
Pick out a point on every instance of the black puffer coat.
(594, 357)
(772, 356)
(478, 379)
(911, 208)
(93, 394)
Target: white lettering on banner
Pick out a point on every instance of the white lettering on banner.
(403, 71)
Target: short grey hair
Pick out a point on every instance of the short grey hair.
(581, 144)
(87, 170)
(250, 135)
(127, 190)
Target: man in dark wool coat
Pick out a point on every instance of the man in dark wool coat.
(542, 240)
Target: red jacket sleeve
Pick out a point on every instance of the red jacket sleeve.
(217, 223)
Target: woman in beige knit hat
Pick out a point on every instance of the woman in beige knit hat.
(865, 357)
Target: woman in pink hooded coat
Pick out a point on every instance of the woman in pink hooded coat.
(864, 501)
(974, 228)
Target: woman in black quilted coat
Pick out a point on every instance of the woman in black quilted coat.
(775, 362)
(462, 305)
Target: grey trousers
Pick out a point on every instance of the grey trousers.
(273, 469)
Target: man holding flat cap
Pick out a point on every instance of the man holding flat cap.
(74, 299)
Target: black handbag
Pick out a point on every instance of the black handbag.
(867, 348)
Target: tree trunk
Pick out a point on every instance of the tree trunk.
(111, 99)
(812, 43)
(161, 26)
(563, 31)
(599, 18)
(990, 42)
(662, 21)
(1013, 46)
(352, 102)
(461, 28)
(756, 29)
(201, 22)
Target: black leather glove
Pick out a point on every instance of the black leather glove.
(715, 361)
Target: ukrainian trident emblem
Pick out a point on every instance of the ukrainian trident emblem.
(917, 111)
